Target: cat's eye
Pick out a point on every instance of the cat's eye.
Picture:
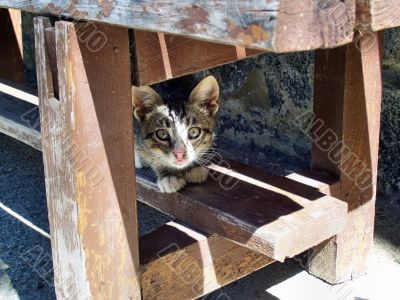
(162, 135)
(194, 133)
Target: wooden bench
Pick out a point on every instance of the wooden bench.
(86, 137)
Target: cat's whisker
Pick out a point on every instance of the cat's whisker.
(219, 151)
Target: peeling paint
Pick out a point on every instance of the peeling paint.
(106, 7)
(70, 10)
(251, 35)
(81, 184)
(196, 21)
(260, 24)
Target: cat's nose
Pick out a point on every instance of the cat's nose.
(179, 154)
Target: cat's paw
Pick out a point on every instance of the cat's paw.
(170, 184)
(196, 175)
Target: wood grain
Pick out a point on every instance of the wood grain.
(272, 215)
(20, 120)
(11, 61)
(275, 25)
(88, 158)
(296, 19)
(185, 56)
(378, 14)
(348, 94)
(322, 181)
(50, 38)
(68, 263)
(180, 263)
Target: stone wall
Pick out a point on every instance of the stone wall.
(261, 97)
(389, 158)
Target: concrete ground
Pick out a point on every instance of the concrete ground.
(25, 257)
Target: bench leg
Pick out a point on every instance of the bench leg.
(11, 62)
(88, 154)
(348, 93)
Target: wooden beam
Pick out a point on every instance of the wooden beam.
(20, 120)
(88, 158)
(179, 263)
(345, 129)
(321, 181)
(335, 21)
(275, 25)
(19, 113)
(11, 53)
(378, 14)
(273, 215)
(19, 91)
(161, 57)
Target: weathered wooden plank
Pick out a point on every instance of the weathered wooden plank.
(179, 263)
(50, 38)
(335, 21)
(276, 25)
(88, 159)
(378, 14)
(68, 263)
(185, 56)
(19, 114)
(19, 91)
(321, 181)
(11, 62)
(273, 215)
(20, 120)
(347, 109)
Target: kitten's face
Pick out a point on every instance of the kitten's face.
(176, 135)
(177, 139)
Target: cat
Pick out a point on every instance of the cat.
(174, 134)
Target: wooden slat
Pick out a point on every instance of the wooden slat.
(184, 56)
(89, 167)
(179, 263)
(269, 214)
(276, 25)
(19, 91)
(322, 181)
(20, 120)
(378, 14)
(11, 62)
(347, 109)
(16, 20)
(19, 113)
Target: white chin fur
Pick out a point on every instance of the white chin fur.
(170, 184)
(179, 166)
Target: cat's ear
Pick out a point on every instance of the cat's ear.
(206, 94)
(144, 100)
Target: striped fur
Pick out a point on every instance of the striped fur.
(174, 134)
